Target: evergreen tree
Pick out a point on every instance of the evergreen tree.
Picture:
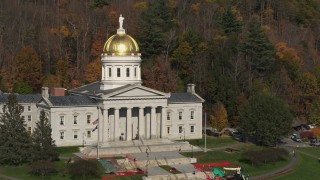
(22, 88)
(230, 22)
(266, 118)
(153, 25)
(258, 50)
(14, 139)
(43, 145)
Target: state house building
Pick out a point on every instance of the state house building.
(117, 108)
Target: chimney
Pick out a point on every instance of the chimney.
(190, 88)
(45, 92)
(57, 91)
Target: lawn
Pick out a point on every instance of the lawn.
(23, 172)
(213, 141)
(68, 151)
(311, 150)
(235, 158)
(307, 167)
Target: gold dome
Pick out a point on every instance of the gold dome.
(121, 44)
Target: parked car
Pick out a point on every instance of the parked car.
(297, 128)
(296, 138)
(311, 126)
(314, 142)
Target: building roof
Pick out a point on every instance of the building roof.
(22, 98)
(94, 89)
(184, 98)
(71, 101)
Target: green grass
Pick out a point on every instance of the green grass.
(307, 167)
(23, 172)
(68, 151)
(235, 158)
(213, 141)
(311, 150)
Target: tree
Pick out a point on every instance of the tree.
(28, 68)
(14, 139)
(43, 145)
(219, 119)
(314, 116)
(93, 71)
(266, 118)
(43, 168)
(84, 169)
(258, 50)
(22, 88)
(153, 25)
(231, 20)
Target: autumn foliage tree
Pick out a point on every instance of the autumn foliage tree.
(28, 68)
(93, 71)
(219, 119)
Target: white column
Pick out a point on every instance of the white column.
(116, 124)
(153, 123)
(129, 124)
(105, 125)
(104, 72)
(141, 123)
(163, 120)
(102, 129)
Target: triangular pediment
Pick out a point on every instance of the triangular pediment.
(137, 92)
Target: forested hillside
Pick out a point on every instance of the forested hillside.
(230, 49)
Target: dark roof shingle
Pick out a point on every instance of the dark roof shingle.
(184, 98)
(71, 101)
(22, 98)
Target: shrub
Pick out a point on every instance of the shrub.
(316, 132)
(84, 169)
(264, 156)
(43, 168)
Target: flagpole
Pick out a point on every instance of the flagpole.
(98, 140)
(205, 132)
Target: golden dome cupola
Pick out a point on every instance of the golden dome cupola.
(121, 60)
(121, 44)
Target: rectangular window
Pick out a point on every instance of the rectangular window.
(168, 115)
(29, 118)
(135, 72)
(75, 119)
(22, 117)
(192, 115)
(180, 115)
(75, 134)
(29, 108)
(88, 134)
(128, 72)
(88, 119)
(61, 135)
(168, 130)
(22, 107)
(180, 129)
(29, 130)
(61, 120)
(192, 129)
(118, 72)
(110, 73)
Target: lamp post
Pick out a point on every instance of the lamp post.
(147, 152)
(83, 135)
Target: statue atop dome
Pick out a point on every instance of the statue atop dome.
(121, 30)
(121, 21)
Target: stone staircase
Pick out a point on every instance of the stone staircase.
(137, 146)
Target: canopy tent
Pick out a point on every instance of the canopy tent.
(218, 172)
